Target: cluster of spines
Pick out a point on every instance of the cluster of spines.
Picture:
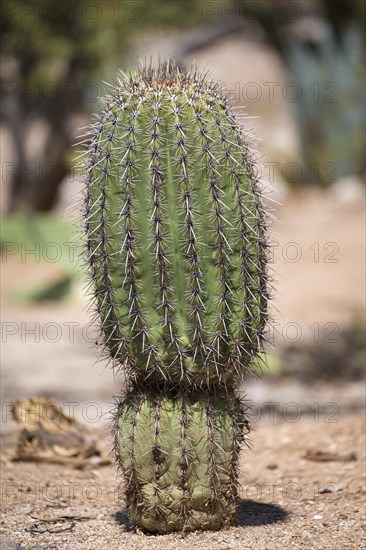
(159, 243)
(97, 240)
(195, 293)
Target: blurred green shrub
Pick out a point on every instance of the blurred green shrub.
(41, 239)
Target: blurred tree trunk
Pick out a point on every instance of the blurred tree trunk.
(12, 115)
(35, 184)
(34, 180)
(54, 167)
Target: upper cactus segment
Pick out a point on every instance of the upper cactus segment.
(176, 231)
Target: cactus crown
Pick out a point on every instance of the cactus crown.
(176, 230)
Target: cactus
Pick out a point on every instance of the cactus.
(177, 251)
(179, 456)
(176, 231)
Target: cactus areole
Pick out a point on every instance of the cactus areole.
(177, 251)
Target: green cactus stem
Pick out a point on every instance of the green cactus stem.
(176, 231)
(179, 455)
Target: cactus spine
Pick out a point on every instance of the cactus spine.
(177, 251)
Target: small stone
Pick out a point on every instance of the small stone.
(332, 488)
(318, 516)
(8, 544)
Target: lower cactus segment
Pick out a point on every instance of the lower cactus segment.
(179, 455)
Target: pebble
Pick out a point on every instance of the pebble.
(8, 544)
(332, 488)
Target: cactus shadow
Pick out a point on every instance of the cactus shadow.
(249, 513)
(253, 513)
(122, 519)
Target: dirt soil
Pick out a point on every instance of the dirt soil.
(287, 500)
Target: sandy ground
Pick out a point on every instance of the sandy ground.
(287, 501)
